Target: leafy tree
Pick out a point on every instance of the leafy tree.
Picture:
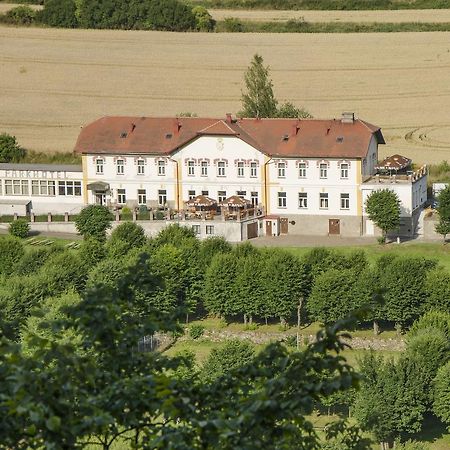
(441, 405)
(10, 150)
(124, 237)
(432, 320)
(335, 294)
(91, 252)
(19, 228)
(11, 251)
(169, 15)
(21, 15)
(221, 290)
(231, 355)
(203, 19)
(438, 290)
(259, 100)
(210, 247)
(383, 209)
(289, 111)
(93, 221)
(59, 13)
(173, 234)
(443, 226)
(34, 258)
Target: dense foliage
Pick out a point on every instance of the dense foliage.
(443, 226)
(259, 100)
(93, 222)
(19, 228)
(10, 150)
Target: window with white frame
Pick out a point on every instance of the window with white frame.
(142, 196)
(120, 166)
(323, 201)
(303, 200)
(344, 170)
(196, 229)
(240, 169)
(282, 200)
(1, 187)
(221, 195)
(241, 194)
(191, 194)
(69, 188)
(161, 168)
(345, 201)
(209, 229)
(221, 169)
(43, 187)
(121, 196)
(302, 170)
(254, 198)
(323, 170)
(16, 187)
(162, 197)
(204, 168)
(99, 166)
(206, 193)
(191, 168)
(281, 170)
(140, 167)
(253, 170)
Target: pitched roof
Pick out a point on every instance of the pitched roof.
(274, 137)
(394, 162)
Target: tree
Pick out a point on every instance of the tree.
(259, 99)
(19, 228)
(169, 15)
(203, 19)
(124, 237)
(441, 405)
(93, 221)
(443, 226)
(59, 13)
(21, 15)
(10, 150)
(11, 251)
(432, 320)
(383, 209)
(438, 290)
(231, 355)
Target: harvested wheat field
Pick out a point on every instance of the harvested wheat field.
(390, 16)
(54, 81)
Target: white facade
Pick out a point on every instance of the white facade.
(42, 188)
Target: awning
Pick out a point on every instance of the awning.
(98, 186)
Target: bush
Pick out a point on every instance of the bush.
(19, 228)
(93, 221)
(125, 237)
(11, 251)
(203, 19)
(232, 25)
(10, 150)
(169, 15)
(59, 13)
(196, 331)
(22, 15)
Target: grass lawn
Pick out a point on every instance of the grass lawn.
(436, 251)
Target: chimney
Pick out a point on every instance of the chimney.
(295, 128)
(176, 126)
(229, 118)
(348, 117)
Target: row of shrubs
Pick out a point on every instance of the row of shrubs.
(166, 15)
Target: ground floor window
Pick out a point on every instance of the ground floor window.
(16, 187)
(282, 201)
(254, 198)
(323, 201)
(302, 200)
(241, 194)
(162, 197)
(142, 197)
(345, 201)
(221, 195)
(191, 195)
(69, 188)
(121, 196)
(209, 229)
(206, 193)
(196, 229)
(43, 187)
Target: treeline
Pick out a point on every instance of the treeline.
(236, 283)
(324, 5)
(166, 15)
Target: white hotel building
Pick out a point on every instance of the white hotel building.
(307, 176)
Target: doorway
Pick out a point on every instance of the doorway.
(100, 198)
(284, 225)
(268, 228)
(334, 226)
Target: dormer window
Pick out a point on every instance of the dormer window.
(123, 135)
(339, 139)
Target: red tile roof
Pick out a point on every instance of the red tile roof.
(274, 137)
(394, 162)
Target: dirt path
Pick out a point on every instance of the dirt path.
(418, 15)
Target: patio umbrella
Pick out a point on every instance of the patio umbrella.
(235, 202)
(201, 201)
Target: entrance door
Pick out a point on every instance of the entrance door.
(252, 230)
(284, 225)
(100, 198)
(334, 226)
(268, 228)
